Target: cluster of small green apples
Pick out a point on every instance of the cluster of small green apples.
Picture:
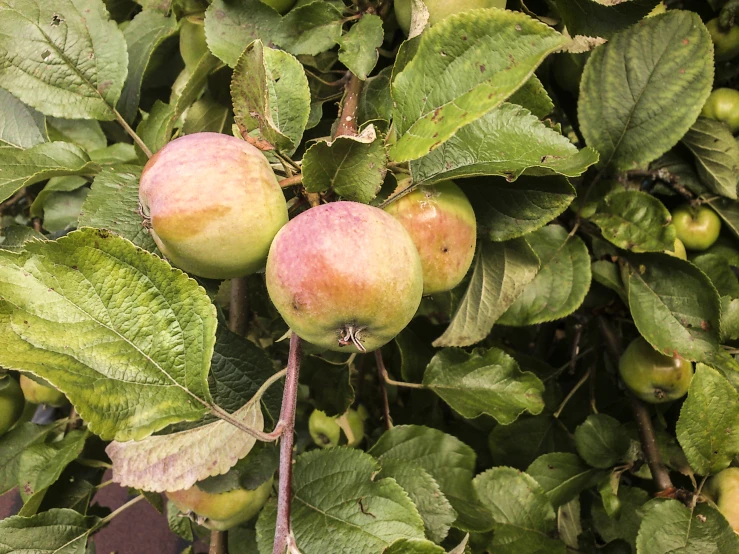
(344, 276)
(16, 398)
(326, 431)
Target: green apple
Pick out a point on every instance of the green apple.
(725, 41)
(38, 391)
(213, 205)
(221, 511)
(652, 376)
(323, 429)
(345, 276)
(723, 489)
(440, 220)
(723, 105)
(440, 9)
(353, 426)
(678, 250)
(11, 403)
(697, 228)
(282, 6)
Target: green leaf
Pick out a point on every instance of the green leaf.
(601, 441)
(118, 153)
(22, 168)
(477, 59)
(521, 510)
(157, 128)
(358, 47)
(484, 382)
(113, 204)
(729, 212)
(363, 513)
(434, 508)
(144, 34)
(523, 441)
(708, 427)
(16, 236)
(569, 525)
(68, 317)
(415, 354)
(507, 210)
(249, 472)
(534, 97)
(41, 465)
(597, 18)
(563, 476)
(606, 273)
(561, 284)
(625, 525)
(231, 26)
(447, 459)
(55, 184)
(641, 91)
(352, 166)
(636, 221)
(270, 94)
(506, 141)
(330, 385)
(85, 133)
(719, 271)
(674, 305)
(717, 155)
(58, 531)
(309, 29)
(669, 526)
(20, 126)
(47, 50)
(12, 446)
(207, 116)
(413, 546)
(181, 526)
(177, 461)
(62, 209)
(375, 102)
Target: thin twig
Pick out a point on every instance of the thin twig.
(287, 414)
(291, 181)
(238, 312)
(382, 372)
(577, 386)
(218, 542)
(663, 176)
(132, 133)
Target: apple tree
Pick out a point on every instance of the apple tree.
(367, 277)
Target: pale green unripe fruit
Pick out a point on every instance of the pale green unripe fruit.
(725, 41)
(723, 489)
(440, 9)
(42, 393)
(652, 376)
(11, 403)
(221, 511)
(697, 228)
(213, 204)
(326, 430)
(723, 105)
(345, 276)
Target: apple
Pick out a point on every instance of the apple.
(282, 6)
(678, 250)
(221, 511)
(326, 430)
(11, 403)
(697, 228)
(213, 205)
(652, 376)
(345, 276)
(723, 105)
(725, 41)
(441, 222)
(440, 9)
(38, 392)
(723, 489)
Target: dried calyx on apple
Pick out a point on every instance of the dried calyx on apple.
(212, 204)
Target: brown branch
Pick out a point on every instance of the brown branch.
(641, 415)
(263, 145)
(381, 373)
(290, 181)
(348, 119)
(287, 414)
(663, 176)
(238, 312)
(218, 542)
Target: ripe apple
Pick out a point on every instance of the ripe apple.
(38, 392)
(282, 6)
(441, 222)
(440, 9)
(213, 205)
(723, 489)
(326, 430)
(221, 511)
(651, 375)
(345, 276)
(11, 403)
(723, 105)
(697, 228)
(678, 250)
(725, 41)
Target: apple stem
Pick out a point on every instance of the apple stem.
(218, 542)
(348, 119)
(292, 181)
(287, 417)
(131, 133)
(239, 308)
(381, 373)
(641, 414)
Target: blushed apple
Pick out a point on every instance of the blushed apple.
(213, 205)
(345, 276)
(440, 220)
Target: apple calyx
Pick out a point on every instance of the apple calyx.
(351, 334)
